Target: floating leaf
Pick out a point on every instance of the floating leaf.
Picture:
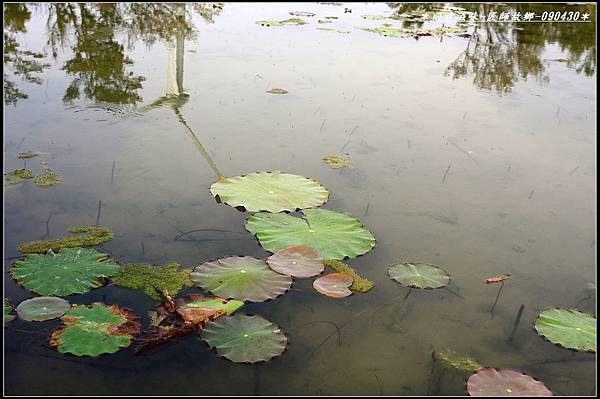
(320, 28)
(331, 17)
(298, 261)
(373, 17)
(419, 275)
(29, 154)
(9, 313)
(17, 176)
(569, 328)
(293, 21)
(497, 279)
(324, 21)
(335, 235)
(95, 235)
(91, 330)
(302, 14)
(153, 280)
(492, 382)
(48, 178)
(269, 191)
(334, 285)
(42, 308)
(277, 91)
(389, 32)
(241, 277)
(269, 23)
(70, 271)
(245, 339)
(360, 284)
(337, 162)
(173, 319)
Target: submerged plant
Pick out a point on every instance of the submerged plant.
(94, 235)
(17, 176)
(449, 359)
(153, 280)
(359, 283)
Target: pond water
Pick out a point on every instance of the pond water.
(476, 154)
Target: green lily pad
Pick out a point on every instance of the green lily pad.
(269, 191)
(335, 235)
(492, 382)
(42, 308)
(373, 17)
(419, 275)
(241, 277)
(92, 330)
(245, 339)
(17, 176)
(269, 23)
(387, 31)
(48, 178)
(29, 154)
(153, 280)
(9, 313)
(70, 271)
(95, 235)
(568, 328)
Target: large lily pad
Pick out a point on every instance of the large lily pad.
(241, 277)
(153, 280)
(569, 328)
(269, 191)
(335, 235)
(299, 261)
(70, 271)
(245, 339)
(334, 285)
(42, 308)
(9, 313)
(91, 330)
(492, 382)
(419, 275)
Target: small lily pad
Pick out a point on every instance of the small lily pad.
(42, 308)
(337, 162)
(334, 285)
(269, 23)
(9, 313)
(92, 330)
(17, 176)
(568, 328)
(293, 21)
(419, 275)
(48, 178)
(70, 271)
(373, 17)
(245, 339)
(241, 277)
(298, 261)
(277, 91)
(324, 21)
(270, 191)
(29, 154)
(492, 382)
(302, 14)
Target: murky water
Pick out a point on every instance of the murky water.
(478, 158)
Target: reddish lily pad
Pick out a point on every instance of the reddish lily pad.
(334, 285)
(297, 261)
(492, 382)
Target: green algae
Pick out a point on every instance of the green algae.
(48, 178)
(449, 359)
(29, 154)
(360, 284)
(336, 162)
(17, 176)
(95, 235)
(153, 280)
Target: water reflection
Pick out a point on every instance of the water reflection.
(497, 55)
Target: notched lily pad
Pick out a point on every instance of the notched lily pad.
(241, 277)
(17, 176)
(245, 339)
(360, 284)
(337, 162)
(270, 191)
(48, 178)
(94, 235)
(568, 328)
(419, 275)
(277, 91)
(153, 280)
(334, 285)
(42, 308)
(299, 261)
(70, 271)
(9, 313)
(92, 330)
(492, 382)
(335, 235)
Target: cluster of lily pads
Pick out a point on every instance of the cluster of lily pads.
(302, 247)
(46, 178)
